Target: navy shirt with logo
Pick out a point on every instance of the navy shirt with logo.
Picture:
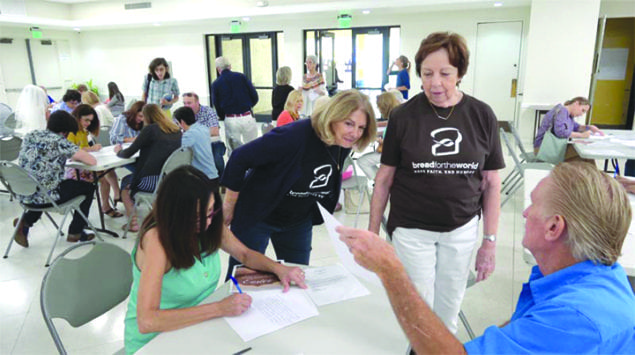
(317, 182)
(439, 162)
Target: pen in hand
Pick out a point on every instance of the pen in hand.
(236, 284)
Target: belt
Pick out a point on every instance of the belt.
(246, 113)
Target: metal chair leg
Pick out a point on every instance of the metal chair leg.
(57, 238)
(15, 232)
(470, 333)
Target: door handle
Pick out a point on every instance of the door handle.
(514, 87)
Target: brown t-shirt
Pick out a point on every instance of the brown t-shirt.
(440, 163)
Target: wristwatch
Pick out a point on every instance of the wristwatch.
(490, 237)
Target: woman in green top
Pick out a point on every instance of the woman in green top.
(176, 262)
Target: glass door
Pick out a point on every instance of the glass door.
(370, 60)
(239, 49)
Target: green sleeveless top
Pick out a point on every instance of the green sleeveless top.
(180, 289)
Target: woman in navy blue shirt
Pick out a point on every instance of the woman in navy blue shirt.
(274, 182)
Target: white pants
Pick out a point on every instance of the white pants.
(438, 264)
(240, 130)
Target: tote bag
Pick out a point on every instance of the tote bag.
(552, 149)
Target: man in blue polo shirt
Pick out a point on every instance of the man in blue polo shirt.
(578, 299)
(234, 96)
(197, 137)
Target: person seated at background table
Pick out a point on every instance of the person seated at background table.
(177, 264)
(104, 114)
(281, 92)
(88, 122)
(196, 136)
(128, 125)
(31, 110)
(43, 155)
(292, 108)
(369, 162)
(70, 100)
(116, 102)
(560, 119)
(207, 116)
(274, 182)
(578, 299)
(158, 138)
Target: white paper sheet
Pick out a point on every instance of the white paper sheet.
(342, 250)
(272, 310)
(332, 284)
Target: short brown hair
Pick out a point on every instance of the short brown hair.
(90, 98)
(595, 208)
(454, 43)
(340, 108)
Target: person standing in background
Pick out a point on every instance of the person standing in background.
(280, 92)
(158, 87)
(234, 96)
(403, 75)
(313, 85)
(207, 116)
(116, 101)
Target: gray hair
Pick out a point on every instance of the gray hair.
(283, 76)
(222, 63)
(595, 208)
(312, 57)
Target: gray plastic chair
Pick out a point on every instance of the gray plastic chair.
(520, 164)
(19, 182)
(10, 147)
(104, 136)
(180, 157)
(82, 289)
(357, 182)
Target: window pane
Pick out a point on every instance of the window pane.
(211, 43)
(233, 51)
(369, 66)
(260, 52)
(281, 59)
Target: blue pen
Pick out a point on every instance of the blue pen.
(236, 284)
(617, 169)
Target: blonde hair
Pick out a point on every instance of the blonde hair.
(320, 101)
(294, 97)
(595, 208)
(386, 102)
(283, 76)
(152, 113)
(90, 98)
(339, 109)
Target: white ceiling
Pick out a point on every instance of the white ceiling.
(102, 14)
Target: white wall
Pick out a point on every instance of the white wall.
(560, 50)
(123, 55)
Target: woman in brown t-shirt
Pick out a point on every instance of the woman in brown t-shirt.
(439, 165)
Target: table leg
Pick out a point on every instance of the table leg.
(100, 208)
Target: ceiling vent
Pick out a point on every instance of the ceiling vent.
(137, 5)
(46, 42)
(6, 40)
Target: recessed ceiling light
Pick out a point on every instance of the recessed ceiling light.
(498, 4)
(262, 3)
(246, 19)
(77, 29)
(157, 24)
(366, 12)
